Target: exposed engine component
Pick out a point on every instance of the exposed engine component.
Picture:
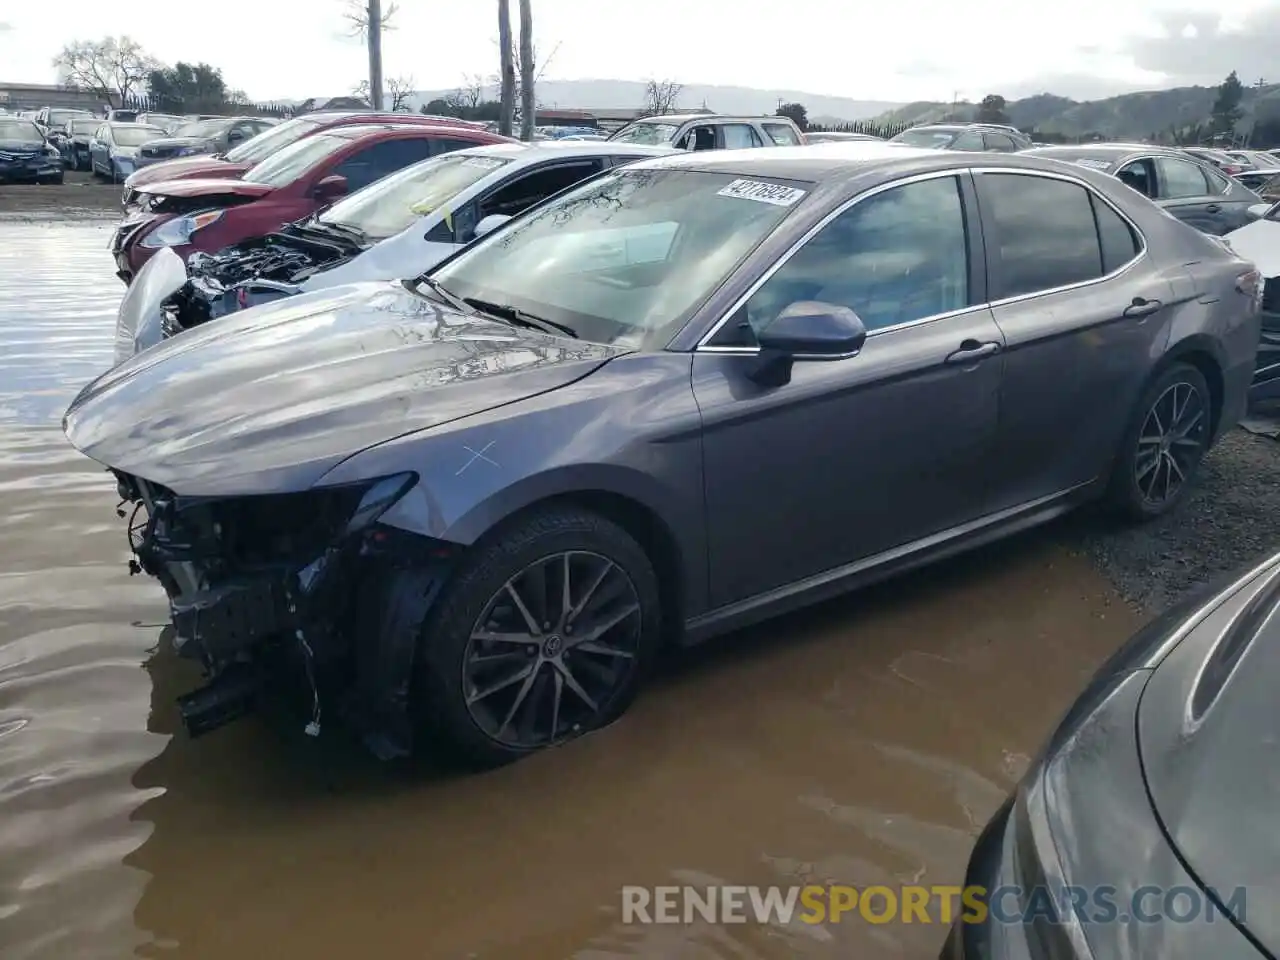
(256, 271)
(287, 593)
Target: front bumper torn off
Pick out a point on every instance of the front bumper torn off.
(283, 596)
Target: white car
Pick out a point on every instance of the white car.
(394, 228)
(1259, 242)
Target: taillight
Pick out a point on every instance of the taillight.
(1232, 169)
(1250, 284)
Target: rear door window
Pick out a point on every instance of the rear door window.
(999, 142)
(1042, 230)
(1180, 179)
(441, 145)
(738, 136)
(969, 140)
(782, 134)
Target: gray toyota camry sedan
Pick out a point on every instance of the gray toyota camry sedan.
(469, 508)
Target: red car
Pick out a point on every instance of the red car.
(255, 150)
(210, 213)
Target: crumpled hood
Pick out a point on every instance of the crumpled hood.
(21, 147)
(270, 399)
(185, 168)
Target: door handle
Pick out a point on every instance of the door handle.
(1142, 307)
(1213, 208)
(971, 350)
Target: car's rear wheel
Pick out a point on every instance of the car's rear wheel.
(1164, 445)
(546, 633)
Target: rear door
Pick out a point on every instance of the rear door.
(1185, 191)
(1066, 270)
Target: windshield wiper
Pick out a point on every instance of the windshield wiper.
(342, 229)
(436, 287)
(523, 317)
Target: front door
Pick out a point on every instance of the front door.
(1084, 319)
(854, 456)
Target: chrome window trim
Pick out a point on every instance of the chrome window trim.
(808, 235)
(703, 343)
(1080, 284)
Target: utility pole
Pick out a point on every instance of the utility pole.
(375, 54)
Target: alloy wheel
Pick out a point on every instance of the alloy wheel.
(552, 649)
(1170, 443)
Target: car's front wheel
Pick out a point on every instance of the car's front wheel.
(1165, 443)
(545, 633)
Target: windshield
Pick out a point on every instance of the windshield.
(391, 204)
(925, 137)
(288, 164)
(23, 130)
(628, 258)
(58, 117)
(201, 129)
(652, 134)
(135, 136)
(257, 149)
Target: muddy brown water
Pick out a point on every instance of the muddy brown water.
(863, 742)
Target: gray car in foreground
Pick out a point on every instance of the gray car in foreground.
(470, 507)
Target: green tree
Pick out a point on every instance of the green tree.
(992, 109)
(187, 88)
(797, 114)
(1226, 109)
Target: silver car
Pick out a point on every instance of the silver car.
(687, 395)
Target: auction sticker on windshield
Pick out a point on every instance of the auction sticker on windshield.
(484, 163)
(762, 192)
(1093, 163)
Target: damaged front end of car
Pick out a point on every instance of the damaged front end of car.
(285, 595)
(248, 274)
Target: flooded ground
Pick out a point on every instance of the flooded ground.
(863, 742)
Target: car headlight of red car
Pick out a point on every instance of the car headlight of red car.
(176, 232)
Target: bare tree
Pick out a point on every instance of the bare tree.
(114, 68)
(528, 108)
(400, 89)
(660, 96)
(357, 17)
(368, 18)
(507, 69)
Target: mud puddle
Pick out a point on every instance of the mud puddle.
(864, 742)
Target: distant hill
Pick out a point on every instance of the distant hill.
(629, 94)
(1132, 115)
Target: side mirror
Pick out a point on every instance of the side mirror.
(807, 329)
(1258, 210)
(330, 188)
(489, 224)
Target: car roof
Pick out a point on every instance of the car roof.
(353, 131)
(1113, 152)
(679, 118)
(129, 125)
(525, 154)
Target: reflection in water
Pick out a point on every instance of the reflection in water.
(862, 743)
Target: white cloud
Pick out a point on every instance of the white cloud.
(905, 50)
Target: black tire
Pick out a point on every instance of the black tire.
(443, 718)
(1131, 493)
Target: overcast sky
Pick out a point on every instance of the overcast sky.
(901, 50)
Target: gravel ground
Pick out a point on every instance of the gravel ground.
(1230, 519)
